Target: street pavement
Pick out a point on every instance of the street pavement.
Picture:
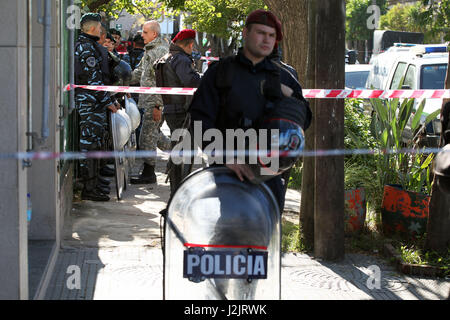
(115, 248)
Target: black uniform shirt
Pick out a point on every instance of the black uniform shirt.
(245, 98)
(88, 61)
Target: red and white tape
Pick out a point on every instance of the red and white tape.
(307, 93)
(373, 94)
(145, 90)
(210, 58)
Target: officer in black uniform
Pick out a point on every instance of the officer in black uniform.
(254, 83)
(135, 55)
(92, 106)
(176, 70)
(117, 36)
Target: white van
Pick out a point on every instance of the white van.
(421, 67)
(383, 63)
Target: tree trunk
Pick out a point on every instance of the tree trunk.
(296, 47)
(330, 70)
(308, 174)
(361, 51)
(294, 19)
(438, 227)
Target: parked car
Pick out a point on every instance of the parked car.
(356, 75)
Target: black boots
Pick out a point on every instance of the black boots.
(94, 195)
(107, 172)
(91, 190)
(147, 176)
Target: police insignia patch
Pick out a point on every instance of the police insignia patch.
(91, 62)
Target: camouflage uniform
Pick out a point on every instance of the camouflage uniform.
(91, 105)
(151, 136)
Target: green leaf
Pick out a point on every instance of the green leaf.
(432, 116)
(405, 113)
(384, 137)
(380, 109)
(417, 116)
(427, 161)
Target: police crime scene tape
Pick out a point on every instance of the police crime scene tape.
(307, 93)
(43, 155)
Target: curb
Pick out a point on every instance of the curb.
(411, 269)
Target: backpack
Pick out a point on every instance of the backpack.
(165, 76)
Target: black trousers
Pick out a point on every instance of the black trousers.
(176, 172)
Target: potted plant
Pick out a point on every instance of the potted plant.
(359, 186)
(402, 169)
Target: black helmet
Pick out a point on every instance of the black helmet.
(289, 117)
(442, 169)
(123, 72)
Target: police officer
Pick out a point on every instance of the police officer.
(151, 136)
(91, 105)
(177, 70)
(133, 57)
(103, 34)
(117, 36)
(110, 43)
(254, 83)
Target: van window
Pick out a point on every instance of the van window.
(356, 80)
(399, 72)
(433, 76)
(410, 77)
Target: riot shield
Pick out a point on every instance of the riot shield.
(222, 239)
(133, 112)
(120, 132)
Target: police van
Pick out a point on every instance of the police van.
(419, 67)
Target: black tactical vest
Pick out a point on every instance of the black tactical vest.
(166, 77)
(100, 55)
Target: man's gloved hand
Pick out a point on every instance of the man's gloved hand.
(113, 108)
(242, 171)
(157, 114)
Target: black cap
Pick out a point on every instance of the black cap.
(114, 31)
(138, 38)
(90, 17)
(110, 37)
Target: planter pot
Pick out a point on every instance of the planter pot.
(404, 212)
(355, 210)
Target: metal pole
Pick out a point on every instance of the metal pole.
(71, 65)
(27, 163)
(47, 21)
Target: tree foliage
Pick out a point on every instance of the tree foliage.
(429, 17)
(221, 20)
(148, 8)
(403, 17)
(357, 17)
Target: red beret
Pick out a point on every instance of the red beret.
(267, 18)
(184, 34)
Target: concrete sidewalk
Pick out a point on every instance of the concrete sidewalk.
(115, 246)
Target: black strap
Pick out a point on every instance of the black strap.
(223, 82)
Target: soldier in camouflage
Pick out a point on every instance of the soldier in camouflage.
(92, 106)
(151, 136)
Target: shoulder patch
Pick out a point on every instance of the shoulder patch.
(91, 62)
